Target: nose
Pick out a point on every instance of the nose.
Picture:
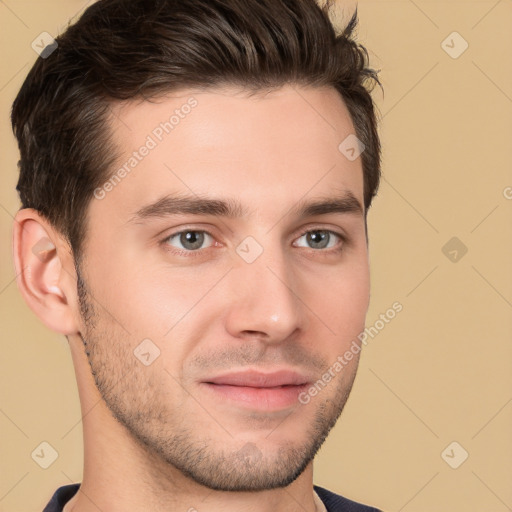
(266, 303)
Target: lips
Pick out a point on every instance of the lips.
(257, 390)
(255, 379)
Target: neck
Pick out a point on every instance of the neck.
(120, 480)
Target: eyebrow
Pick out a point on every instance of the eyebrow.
(230, 208)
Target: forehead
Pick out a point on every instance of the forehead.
(280, 144)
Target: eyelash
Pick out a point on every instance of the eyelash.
(199, 252)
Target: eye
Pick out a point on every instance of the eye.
(320, 239)
(189, 240)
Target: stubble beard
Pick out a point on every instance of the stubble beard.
(140, 409)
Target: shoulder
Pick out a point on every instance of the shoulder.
(61, 496)
(336, 503)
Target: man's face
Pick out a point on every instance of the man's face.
(205, 326)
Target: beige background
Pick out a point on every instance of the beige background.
(440, 371)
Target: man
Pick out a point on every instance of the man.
(195, 178)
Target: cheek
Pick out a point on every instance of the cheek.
(343, 300)
(147, 300)
(176, 309)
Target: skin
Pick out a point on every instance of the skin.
(155, 437)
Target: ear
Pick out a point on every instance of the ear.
(45, 271)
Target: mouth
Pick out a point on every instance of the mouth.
(256, 390)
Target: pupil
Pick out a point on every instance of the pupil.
(317, 237)
(194, 239)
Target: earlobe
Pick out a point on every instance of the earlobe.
(44, 276)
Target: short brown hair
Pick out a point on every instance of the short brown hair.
(125, 49)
